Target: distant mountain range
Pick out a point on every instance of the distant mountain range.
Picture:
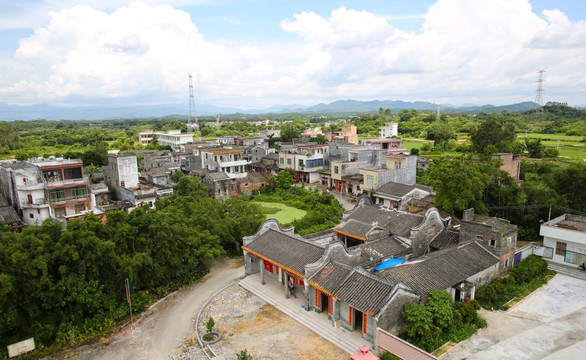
(341, 107)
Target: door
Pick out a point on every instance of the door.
(517, 258)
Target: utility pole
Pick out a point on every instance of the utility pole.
(539, 94)
(127, 286)
(191, 116)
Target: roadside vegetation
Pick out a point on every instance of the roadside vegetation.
(526, 277)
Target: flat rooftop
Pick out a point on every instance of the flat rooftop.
(571, 225)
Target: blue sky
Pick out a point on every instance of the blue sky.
(261, 53)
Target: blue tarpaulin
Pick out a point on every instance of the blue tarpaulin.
(388, 263)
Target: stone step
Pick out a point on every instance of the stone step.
(339, 337)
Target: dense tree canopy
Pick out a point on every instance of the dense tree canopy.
(496, 131)
(59, 285)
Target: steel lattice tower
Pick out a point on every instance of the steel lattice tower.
(539, 94)
(191, 116)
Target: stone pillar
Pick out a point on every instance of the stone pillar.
(472, 292)
(262, 271)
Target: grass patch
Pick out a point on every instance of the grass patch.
(283, 213)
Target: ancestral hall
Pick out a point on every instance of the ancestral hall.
(364, 271)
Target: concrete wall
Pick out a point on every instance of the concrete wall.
(405, 175)
(389, 318)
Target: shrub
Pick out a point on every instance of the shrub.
(524, 278)
(210, 324)
(388, 356)
(243, 355)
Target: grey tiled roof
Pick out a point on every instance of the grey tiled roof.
(290, 251)
(8, 215)
(441, 269)
(399, 190)
(364, 292)
(397, 222)
(355, 228)
(445, 239)
(330, 276)
(3, 200)
(373, 252)
(253, 178)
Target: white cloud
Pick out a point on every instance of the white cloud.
(464, 46)
(466, 51)
(134, 50)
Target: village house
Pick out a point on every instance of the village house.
(411, 198)
(398, 168)
(122, 175)
(219, 184)
(228, 160)
(306, 160)
(46, 189)
(389, 130)
(248, 184)
(346, 135)
(566, 237)
(268, 164)
(173, 138)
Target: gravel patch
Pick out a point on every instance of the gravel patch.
(247, 322)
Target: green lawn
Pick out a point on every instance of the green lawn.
(283, 213)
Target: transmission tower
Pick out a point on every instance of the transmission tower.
(539, 94)
(191, 116)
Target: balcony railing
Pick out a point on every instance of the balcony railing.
(37, 204)
(66, 199)
(60, 183)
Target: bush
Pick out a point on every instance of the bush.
(524, 278)
(243, 355)
(439, 320)
(210, 324)
(388, 356)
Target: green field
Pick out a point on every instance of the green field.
(570, 147)
(283, 213)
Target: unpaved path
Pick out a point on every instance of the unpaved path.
(160, 332)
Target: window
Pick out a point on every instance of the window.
(78, 193)
(370, 179)
(282, 160)
(29, 198)
(79, 208)
(492, 242)
(32, 216)
(288, 161)
(57, 195)
(506, 262)
(336, 170)
(60, 212)
(560, 248)
(479, 237)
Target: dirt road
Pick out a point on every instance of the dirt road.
(157, 334)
